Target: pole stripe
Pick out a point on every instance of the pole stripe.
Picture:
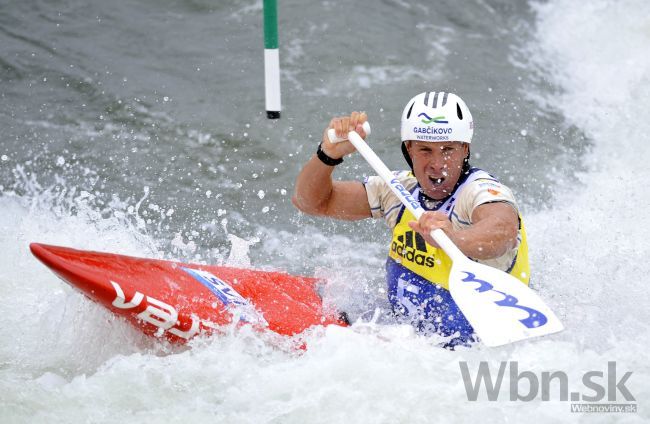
(270, 24)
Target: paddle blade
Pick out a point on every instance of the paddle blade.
(501, 308)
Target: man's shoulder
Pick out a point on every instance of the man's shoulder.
(483, 187)
(383, 202)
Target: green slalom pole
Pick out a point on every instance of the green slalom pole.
(271, 60)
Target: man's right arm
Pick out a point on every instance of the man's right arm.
(317, 194)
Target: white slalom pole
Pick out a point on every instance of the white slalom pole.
(271, 60)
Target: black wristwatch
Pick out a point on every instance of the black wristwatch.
(326, 159)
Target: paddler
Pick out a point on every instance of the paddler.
(477, 211)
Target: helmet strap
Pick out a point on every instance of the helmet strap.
(406, 155)
(466, 165)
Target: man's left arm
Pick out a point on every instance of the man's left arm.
(494, 230)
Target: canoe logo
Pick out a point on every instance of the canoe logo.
(228, 295)
(426, 119)
(161, 315)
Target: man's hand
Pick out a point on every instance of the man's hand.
(316, 193)
(343, 125)
(430, 221)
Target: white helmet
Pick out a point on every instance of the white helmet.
(437, 117)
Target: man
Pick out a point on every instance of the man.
(473, 208)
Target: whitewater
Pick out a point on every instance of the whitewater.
(65, 359)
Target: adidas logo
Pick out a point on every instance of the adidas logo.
(409, 245)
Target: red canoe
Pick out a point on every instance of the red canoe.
(178, 301)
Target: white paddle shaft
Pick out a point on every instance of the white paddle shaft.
(402, 193)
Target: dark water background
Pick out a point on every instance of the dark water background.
(118, 99)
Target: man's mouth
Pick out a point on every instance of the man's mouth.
(437, 181)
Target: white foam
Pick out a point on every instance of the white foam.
(595, 239)
(47, 325)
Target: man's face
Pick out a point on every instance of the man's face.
(437, 166)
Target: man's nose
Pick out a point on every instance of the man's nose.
(437, 162)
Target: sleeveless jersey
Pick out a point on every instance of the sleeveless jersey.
(417, 273)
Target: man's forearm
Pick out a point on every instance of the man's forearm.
(487, 239)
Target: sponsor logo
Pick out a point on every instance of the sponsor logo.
(433, 137)
(432, 130)
(489, 184)
(228, 295)
(412, 247)
(493, 192)
(436, 119)
(534, 319)
(157, 313)
(405, 194)
(433, 133)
